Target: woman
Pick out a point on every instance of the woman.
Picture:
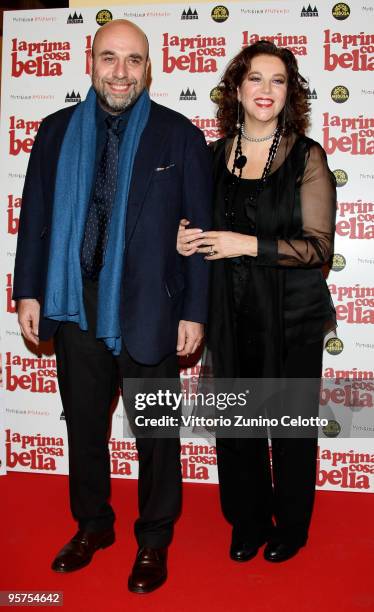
(274, 216)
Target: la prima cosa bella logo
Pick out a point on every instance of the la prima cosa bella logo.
(352, 394)
(193, 53)
(22, 134)
(297, 43)
(36, 452)
(123, 454)
(350, 470)
(39, 59)
(10, 304)
(353, 304)
(14, 204)
(353, 135)
(355, 220)
(34, 374)
(348, 51)
(209, 126)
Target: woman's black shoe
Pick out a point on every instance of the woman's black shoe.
(280, 551)
(243, 552)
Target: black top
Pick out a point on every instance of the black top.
(282, 292)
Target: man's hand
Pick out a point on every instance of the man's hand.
(190, 335)
(28, 319)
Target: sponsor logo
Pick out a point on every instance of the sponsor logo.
(152, 14)
(37, 375)
(13, 208)
(215, 94)
(355, 220)
(295, 43)
(311, 94)
(195, 54)
(21, 127)
(219, 14)
(354, 304)
(188, 95)
(355, 134)
(353, 51)
(36, 452)
(40, 59)
(75, 18)
(209, 126)
(103, 16)
(340, 94)
(158, 94)
(73, 97)
(190, 14)
(309, 12)
(338, 262)
(265, 11)
(334, 346)
(341, 177)
(341, 11)
(332, 429)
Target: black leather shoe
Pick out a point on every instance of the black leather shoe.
(149, 571)
(243, 552)
(79, 551)
(280, 551)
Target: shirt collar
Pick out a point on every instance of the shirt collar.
(101, 115)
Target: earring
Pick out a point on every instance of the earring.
(238, 124)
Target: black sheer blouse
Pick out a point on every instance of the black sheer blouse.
(280, 296)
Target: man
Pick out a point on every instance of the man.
(97, 269)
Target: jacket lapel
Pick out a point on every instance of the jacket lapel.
(150, 147)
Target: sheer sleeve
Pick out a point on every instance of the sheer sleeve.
(318, 210)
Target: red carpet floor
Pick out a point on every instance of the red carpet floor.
(333, 573)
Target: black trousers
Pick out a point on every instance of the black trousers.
(256, 489)
(89, 377)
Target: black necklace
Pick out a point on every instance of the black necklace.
(240, 161)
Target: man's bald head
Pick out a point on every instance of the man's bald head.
(119, 64)
(123, 27)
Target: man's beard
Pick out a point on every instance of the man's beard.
(112, 103)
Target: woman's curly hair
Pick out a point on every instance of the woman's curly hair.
(295, 114)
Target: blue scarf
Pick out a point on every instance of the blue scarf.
(64, 290)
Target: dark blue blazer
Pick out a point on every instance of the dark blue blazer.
(159, 287)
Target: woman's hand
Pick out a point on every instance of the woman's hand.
(186, 238)
(218, 245)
